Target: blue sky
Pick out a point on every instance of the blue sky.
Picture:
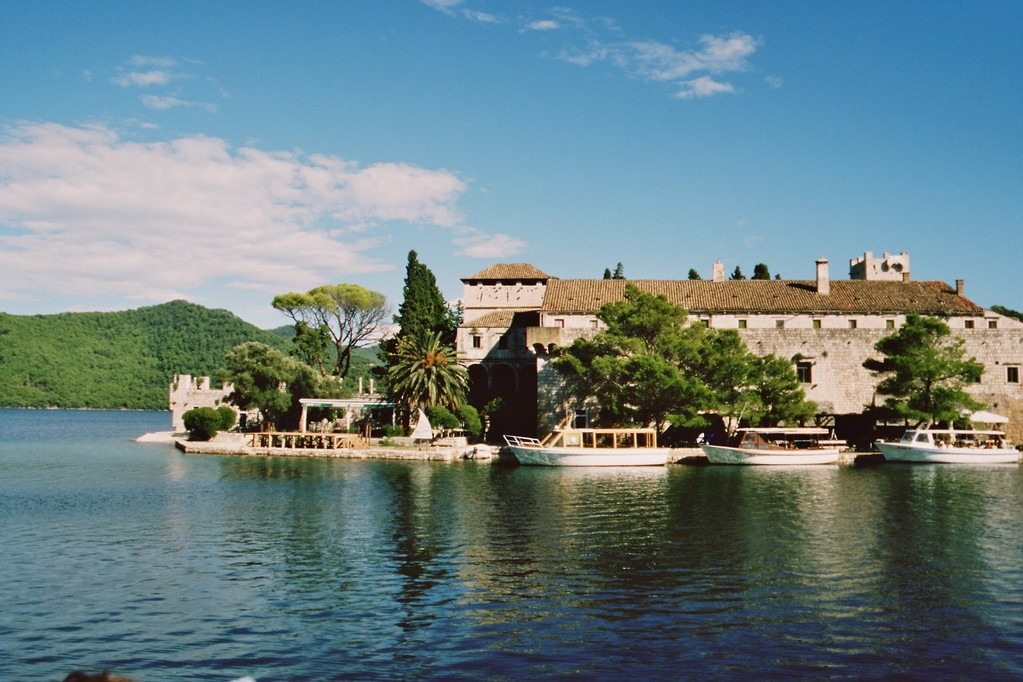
(227, 152)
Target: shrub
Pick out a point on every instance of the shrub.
(442, 418)
(227, 417)
(470, 418)
(202, 423)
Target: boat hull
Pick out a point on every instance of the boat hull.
(590, 457)
(721, 454)
(899, 452)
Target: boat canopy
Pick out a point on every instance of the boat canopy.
(985, 417)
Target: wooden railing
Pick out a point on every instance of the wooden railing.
(295, 440)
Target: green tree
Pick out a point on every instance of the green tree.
(267, 380)
(422, 313)
(694, 275)
(737, 274)
(780, 399)
(1008, 312)
(350, 314)
(728, 371)
(619, 272)
(633, 370)
(470, 418)
(649, 366)
(442, 418)
(607, 273)
(426, 372)
(924, 371)
(760, 271)
(312, 345)
(423, 310)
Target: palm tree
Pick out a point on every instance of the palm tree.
(425, 373)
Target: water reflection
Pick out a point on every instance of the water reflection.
(167, 566)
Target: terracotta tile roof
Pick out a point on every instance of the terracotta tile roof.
(512, 271)
(766, 296)
(500, 319)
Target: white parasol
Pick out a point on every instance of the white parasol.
(988, 418)
(423, 429)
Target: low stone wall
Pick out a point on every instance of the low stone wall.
(426, 454)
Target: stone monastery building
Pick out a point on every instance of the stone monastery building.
(515, 316)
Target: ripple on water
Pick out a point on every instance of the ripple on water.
(164, 566)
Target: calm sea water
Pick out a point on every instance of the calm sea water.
(164, 566)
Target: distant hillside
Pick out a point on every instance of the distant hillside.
(119, 360)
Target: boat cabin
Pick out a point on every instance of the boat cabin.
(803, 438)
(602, 438)
(955, 438)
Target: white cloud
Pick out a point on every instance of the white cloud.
(704, 86)
(144, 78)
(442, 5)
(543, 25)
(695, 73)
(491, 246)
(455, 8)
(660, 62)
(600, 39)
(162, 102)
(85, 212)
(165, 62)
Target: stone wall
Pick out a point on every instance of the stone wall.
(187, 393)
(839, 382)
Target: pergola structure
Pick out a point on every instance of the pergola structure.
(347, 404)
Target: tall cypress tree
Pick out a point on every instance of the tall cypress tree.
(423, 310)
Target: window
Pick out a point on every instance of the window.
(804, 371)
(779, 324)
(477, 341)
(968, 324)
(992, 324)
(889, 324)
(1012, 374)
(742, 324)
(816, 324)
(852, 324)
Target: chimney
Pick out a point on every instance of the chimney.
(823, 283)
(719, 271)
(960, 287)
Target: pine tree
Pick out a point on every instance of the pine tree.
(760, 271)
(694, 275)
(925, 371)
(737, 273)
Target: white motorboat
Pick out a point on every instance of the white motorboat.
(950, 446)
(776, 445)
(591, 448)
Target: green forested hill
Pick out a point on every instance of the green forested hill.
(117, 360)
